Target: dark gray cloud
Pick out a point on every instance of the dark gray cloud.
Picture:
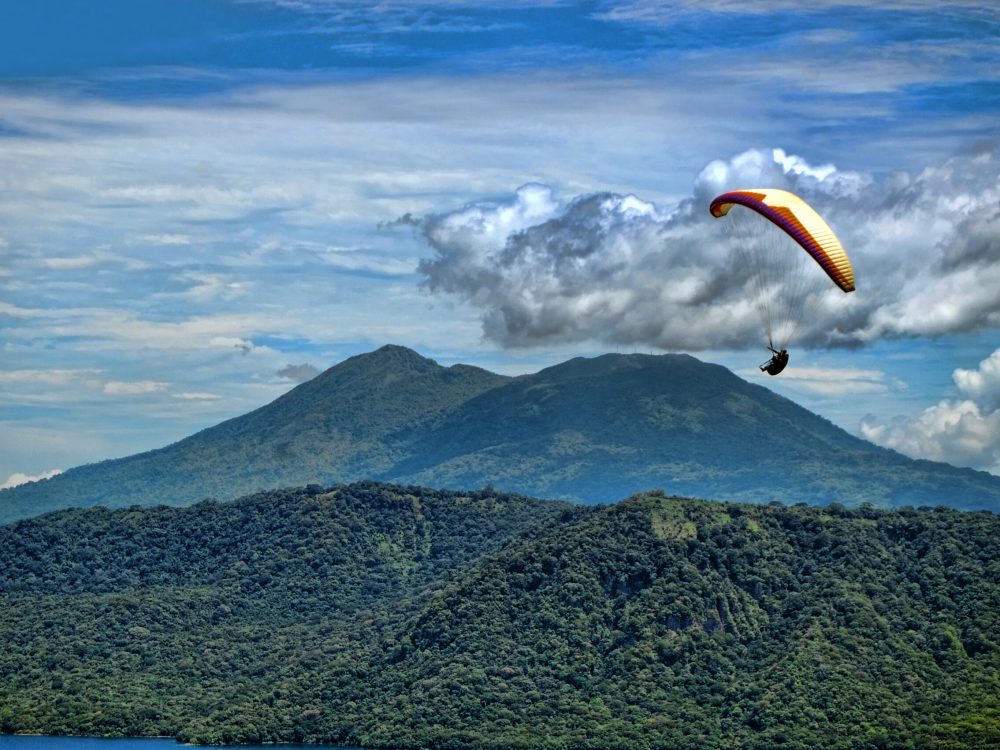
(298, 373)
(618, 269)
(602, 266)
(976, 242)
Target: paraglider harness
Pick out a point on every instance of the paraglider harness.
(777, 362)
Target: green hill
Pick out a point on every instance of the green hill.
(590, 429)
(335, 427)
(391, 616)
(584, 430)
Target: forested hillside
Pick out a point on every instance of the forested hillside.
(335, 427)
(392, 616)
(584, 430)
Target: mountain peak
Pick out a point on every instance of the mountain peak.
(392, 356)
(605, 364)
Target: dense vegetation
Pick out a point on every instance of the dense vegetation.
(392, 616)
(662, 421)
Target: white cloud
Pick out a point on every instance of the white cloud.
(79, 261)
(100, 329)
(90, 258)
(661, 11)
(18, 478)
(208, 287)
(18, 311)
(592, 268)
(164, 239)
(47, 377)
(134, 388)
(983, 383)
(189, 396)
(836, 381)
(956, 432)
(614, 268)
(964, 432)
(365, 260)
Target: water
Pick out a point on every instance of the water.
(22, 742)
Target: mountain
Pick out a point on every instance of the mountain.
(589, 429)
(398, 616)
(583, 430)
(334, 427)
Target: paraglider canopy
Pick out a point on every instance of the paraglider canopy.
(799, 221)
(781, 279)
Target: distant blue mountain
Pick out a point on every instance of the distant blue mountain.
(590, 430)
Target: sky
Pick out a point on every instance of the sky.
(203, 204)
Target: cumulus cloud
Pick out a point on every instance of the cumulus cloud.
(983, 383)
(617, 269)
(544, 271)
(18, 478)
(298, 373)
(964, 432)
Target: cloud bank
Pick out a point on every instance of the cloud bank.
(615, 268)
(964, 432)
(20, 478)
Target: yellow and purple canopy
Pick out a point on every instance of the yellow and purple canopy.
(799, 221)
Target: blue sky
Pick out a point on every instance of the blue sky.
(202, 203)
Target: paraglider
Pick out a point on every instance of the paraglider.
(781, 278)
(776, 363)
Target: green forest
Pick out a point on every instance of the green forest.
(392, 616)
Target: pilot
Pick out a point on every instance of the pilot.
(777, 362)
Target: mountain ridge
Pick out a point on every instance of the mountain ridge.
(582, 430)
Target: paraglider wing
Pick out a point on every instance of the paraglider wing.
(799, 221)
